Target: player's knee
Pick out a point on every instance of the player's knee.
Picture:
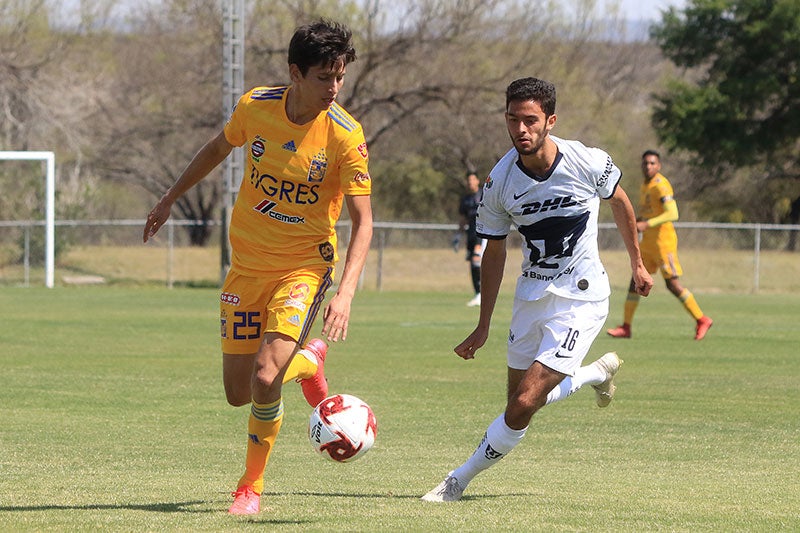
(674, 286)
(520, 409)
(264, 380)
(238, 397)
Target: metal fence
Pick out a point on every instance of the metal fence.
(404, 256)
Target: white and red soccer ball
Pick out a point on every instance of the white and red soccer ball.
(342, 428)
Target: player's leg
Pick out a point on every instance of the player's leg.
(651, 260)
(579, 328)
(295, 300)
(266, 415)
(237, 375)
(672, 271)
(242, 321)
(301, 298)
(687, 299)
(504, 433)
(289, 305)
(623, 331)
(475, 253)
(308, 369)
(541, 353)
(499, 437)
(238, 371)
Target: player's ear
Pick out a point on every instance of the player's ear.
(294, 73)
(551, 122)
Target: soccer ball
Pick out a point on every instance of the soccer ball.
(342, 428)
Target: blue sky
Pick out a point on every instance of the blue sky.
(648, 9)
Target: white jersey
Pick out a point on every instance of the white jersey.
(557, 218)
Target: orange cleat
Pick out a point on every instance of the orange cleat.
(245, 501)
(704, 323)
(315, 388)
(620, 332)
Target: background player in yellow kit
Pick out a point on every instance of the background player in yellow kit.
(305, 157)
(659, 246)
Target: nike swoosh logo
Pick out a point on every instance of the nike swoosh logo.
(558, 355)
(518, 196)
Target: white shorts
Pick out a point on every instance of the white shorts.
(555, 331)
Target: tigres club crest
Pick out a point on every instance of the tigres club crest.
(318, 167)
(326, 251)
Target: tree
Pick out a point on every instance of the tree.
(138, 96)
(166, 104)
(741, 105)
(48, 99)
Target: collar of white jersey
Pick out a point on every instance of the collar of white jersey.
(536, 177)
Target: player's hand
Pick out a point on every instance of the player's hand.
(456, 241)
(642, 280)
(156, 218)
(336, 318)
(641, 226)
(476, 339)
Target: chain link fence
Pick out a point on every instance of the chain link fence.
(736, 258)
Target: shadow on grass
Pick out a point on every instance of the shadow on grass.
(174, 507)
(387, 495)
(192, 506)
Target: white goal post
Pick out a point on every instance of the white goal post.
(50, 204)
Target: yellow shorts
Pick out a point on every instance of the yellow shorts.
(284, 303)
(664, 259)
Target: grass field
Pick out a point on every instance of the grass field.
(113, 418)
(402, 269)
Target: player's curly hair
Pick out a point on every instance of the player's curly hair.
(323, 42)
(534, 89)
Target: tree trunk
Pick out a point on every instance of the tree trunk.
(199, 234)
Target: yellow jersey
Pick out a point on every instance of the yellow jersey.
(653, 195)
(295, 179)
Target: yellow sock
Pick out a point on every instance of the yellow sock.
(263, 427)
(690, 304)
(630, 307)
(301, 366)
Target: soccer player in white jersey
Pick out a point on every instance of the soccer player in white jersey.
(549, 189)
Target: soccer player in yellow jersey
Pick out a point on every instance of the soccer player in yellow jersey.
(659, 246)
(306, 156)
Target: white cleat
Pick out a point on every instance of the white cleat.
(475, 302)
(449, 490)
(604, 392)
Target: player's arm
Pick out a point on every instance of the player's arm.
(201, 165)
(337, 313)
(492, 267)
(670, 213)
(626, 224)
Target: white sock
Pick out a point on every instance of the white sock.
(585, 375)
(498, 440)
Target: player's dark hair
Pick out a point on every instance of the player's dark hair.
(651, 152)
(534, 89)
(323, 42)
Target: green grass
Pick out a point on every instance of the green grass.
(402, 269)
(113, 418)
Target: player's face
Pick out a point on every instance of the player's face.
(473, 183)
(321, 84)
(650, 166)
(528, 126)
